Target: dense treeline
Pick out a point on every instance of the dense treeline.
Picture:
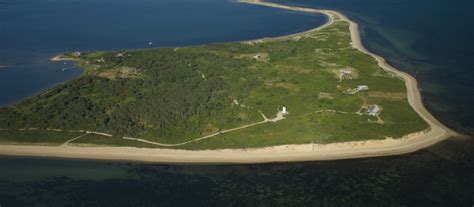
(168, 93)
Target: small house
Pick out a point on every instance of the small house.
(345, 71)
(373, 110)
(362, 87)
(76, 54)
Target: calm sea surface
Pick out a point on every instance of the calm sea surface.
(422, 37)
(32, 31)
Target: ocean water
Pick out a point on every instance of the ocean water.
(31, 32)
(433, 177)
(421, 37)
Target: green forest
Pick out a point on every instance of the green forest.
(177, 95)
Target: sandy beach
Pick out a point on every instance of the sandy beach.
(286, 153)
(59, 58)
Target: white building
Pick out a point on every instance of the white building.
(283, 110)
(373, 110)
(362, 87)
(77, 54)
(345, 71)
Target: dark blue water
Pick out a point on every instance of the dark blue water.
(433, 177)
(32, 31)
(422, 37)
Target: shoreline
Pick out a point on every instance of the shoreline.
(285, 153)
(59, 58)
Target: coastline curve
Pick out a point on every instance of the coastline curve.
(285, 153)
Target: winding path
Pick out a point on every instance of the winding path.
(279, 117)
(66, 144)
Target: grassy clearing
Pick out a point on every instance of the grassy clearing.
(17, 137)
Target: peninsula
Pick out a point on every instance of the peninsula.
(315, 95)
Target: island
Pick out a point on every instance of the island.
(315, 95)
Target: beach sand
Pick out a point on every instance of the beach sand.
(285, 153)
(59, 58)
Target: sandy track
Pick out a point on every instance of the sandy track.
(286, 153)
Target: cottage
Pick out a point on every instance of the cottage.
(345, 72)
(77, 54)
(362, 87)
(373, 110)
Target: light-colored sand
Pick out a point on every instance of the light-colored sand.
(286, 153)
(59, 58)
